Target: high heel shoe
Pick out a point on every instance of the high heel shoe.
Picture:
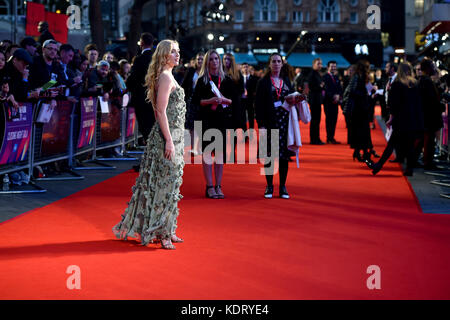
(374, 153)
(219, 192)
(376, 167)
(210, 192)
(167, 244)
(176, 239)
(357, 155)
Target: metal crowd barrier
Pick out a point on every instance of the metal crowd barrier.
(44, 133)
(15, 148)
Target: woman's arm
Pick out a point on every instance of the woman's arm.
(165, 85)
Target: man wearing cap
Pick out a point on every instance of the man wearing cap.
(97, 82)
(45, 67)
(16, 69)
(30, 45)
(45, 34)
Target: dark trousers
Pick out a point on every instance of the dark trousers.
(145, 119)
(429, 146)
(331, 116)
(314, 127)
(405, 148)
(250, 109)
(283, 169)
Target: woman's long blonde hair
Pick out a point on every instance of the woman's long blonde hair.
(204, 71)
(159, 60)
(233, 71)
(405, 74)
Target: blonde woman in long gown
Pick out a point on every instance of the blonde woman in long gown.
(153, 209)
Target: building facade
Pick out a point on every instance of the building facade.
(262, 26)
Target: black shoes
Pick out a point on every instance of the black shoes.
(317, 143)
(283, 193)
(333, 141)
(376, 167)
(268, 194)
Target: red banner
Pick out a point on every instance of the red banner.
(35, 13)
(57, 25)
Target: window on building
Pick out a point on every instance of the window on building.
(239, 16)
(297, 17)
(297, 2)
(191, 15)
(354, 17)
(353, 3)
(266, 10)
(161, 10)
(418, 6)
(328, 11)
(307, 17)
(4, 7)
(199, 13)
(183, 16)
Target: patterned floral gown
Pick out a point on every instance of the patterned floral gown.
(153, 209)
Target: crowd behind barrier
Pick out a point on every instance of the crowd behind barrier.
(48, 131)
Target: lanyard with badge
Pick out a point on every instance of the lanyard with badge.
(216, 89)
(277, 103)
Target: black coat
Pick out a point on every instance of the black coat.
(358, 99)
(17, 86)
(264, 108)
(315, 89)
(220, 118)
(432, 107)
(406, 109)
(136, 80)
(40, 73)
(331, 88)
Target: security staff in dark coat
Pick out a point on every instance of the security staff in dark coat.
(333, 95)
(136, 85)
(316, 86)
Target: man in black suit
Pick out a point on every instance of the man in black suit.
(45, 33)
(248, 97)
(333, 95)
(316, 86)
(136, 85)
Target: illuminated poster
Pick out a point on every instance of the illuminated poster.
(17, 134)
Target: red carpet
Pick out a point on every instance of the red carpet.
(317, 245)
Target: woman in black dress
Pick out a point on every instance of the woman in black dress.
(357, 111)
(215, 113)
(271, 92)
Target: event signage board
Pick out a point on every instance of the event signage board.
(87, 123)
(17, 134)
(131, 122)
(55, 132)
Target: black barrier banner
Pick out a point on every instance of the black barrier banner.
(110, 124)
(131, 122)
(88, 112)
(55, 133)
(16, 139)
(445, 130)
